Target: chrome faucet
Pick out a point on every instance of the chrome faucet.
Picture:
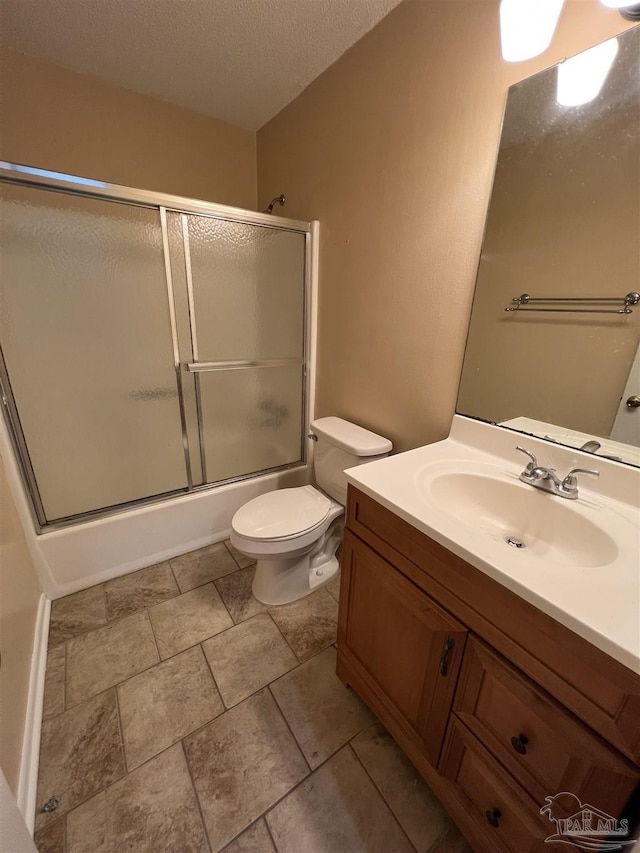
(546, 478)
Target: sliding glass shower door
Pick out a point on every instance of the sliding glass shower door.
(147, 349)
(86, 339)
(245, 346)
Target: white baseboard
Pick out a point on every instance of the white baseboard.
(28, 782)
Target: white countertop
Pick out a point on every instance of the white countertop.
(600, 603)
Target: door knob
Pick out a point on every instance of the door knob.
(633, 402)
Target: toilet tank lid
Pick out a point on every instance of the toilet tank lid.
(350, 437)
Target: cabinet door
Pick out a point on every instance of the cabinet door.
(401, 642)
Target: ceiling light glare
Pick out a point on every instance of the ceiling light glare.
(581, 78)
(527, 27)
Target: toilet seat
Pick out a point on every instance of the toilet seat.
(282, 514)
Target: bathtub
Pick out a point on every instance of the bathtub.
(90, 552)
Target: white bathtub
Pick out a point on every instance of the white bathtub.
(90, 552)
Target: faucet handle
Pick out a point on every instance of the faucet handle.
(533, 463)
(570, 482)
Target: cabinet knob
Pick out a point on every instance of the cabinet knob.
(492, 817)
(449, 643)
(520, 744)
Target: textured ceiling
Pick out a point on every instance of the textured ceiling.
(239, 60)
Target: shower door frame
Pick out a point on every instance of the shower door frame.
(28, 176)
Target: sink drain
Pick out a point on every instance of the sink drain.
(514, 542)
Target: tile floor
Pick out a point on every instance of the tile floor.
(183, 715)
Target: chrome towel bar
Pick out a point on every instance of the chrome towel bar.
(525, 300)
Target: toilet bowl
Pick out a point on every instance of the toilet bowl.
(294, 533)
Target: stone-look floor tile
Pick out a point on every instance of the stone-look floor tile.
(54, 682)
(414, 804)
(333, 587)
(80, 753)
(256, 839)
(107, 656)
(163, 704)
(453, 842)
(140, 589)
(336, 809)
(322, 712)
(236, 593)
(152, 810)
(309, 624)
(241, 559)
(241, 764)
(188, 619)
(51, 838)
(199, 567)
(248, 657)
(76, 614)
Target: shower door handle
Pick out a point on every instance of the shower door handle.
(239, 364)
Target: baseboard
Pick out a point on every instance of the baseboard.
(28, 782)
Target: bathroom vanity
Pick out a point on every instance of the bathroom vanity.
(508, 676)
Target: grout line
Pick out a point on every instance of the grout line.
(215, 683)
(268, 611)
(229, 552)
(381, 795)
(173, 575)
(155, 639)
(64, 680)
(121, 732)
(270, 834)
(197, 796)
(224, 603)
(295, 739)
(242, 831)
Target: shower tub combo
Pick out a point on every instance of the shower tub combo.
(157, 368)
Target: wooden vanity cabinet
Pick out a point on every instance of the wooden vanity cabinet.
(404, 644)
(497, 705)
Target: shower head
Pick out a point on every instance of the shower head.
(279, 199)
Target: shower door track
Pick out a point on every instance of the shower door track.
(28, 176)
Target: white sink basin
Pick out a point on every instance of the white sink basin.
(523, 518)
(580, 561)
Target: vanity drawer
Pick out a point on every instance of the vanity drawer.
(505, 817)
(541, 744)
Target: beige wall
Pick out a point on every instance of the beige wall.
(68, 122)
(393, 150)
(19, 596)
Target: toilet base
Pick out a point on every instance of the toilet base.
(280, 580)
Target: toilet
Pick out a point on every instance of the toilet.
(294, 533)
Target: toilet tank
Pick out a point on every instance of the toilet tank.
(341, 445)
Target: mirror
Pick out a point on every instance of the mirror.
(548, 351)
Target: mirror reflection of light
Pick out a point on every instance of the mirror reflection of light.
(581, 78)
(527, 27)
(618, 4)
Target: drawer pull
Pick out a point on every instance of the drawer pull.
(492, 817)
(520, 744)
(449, 643)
